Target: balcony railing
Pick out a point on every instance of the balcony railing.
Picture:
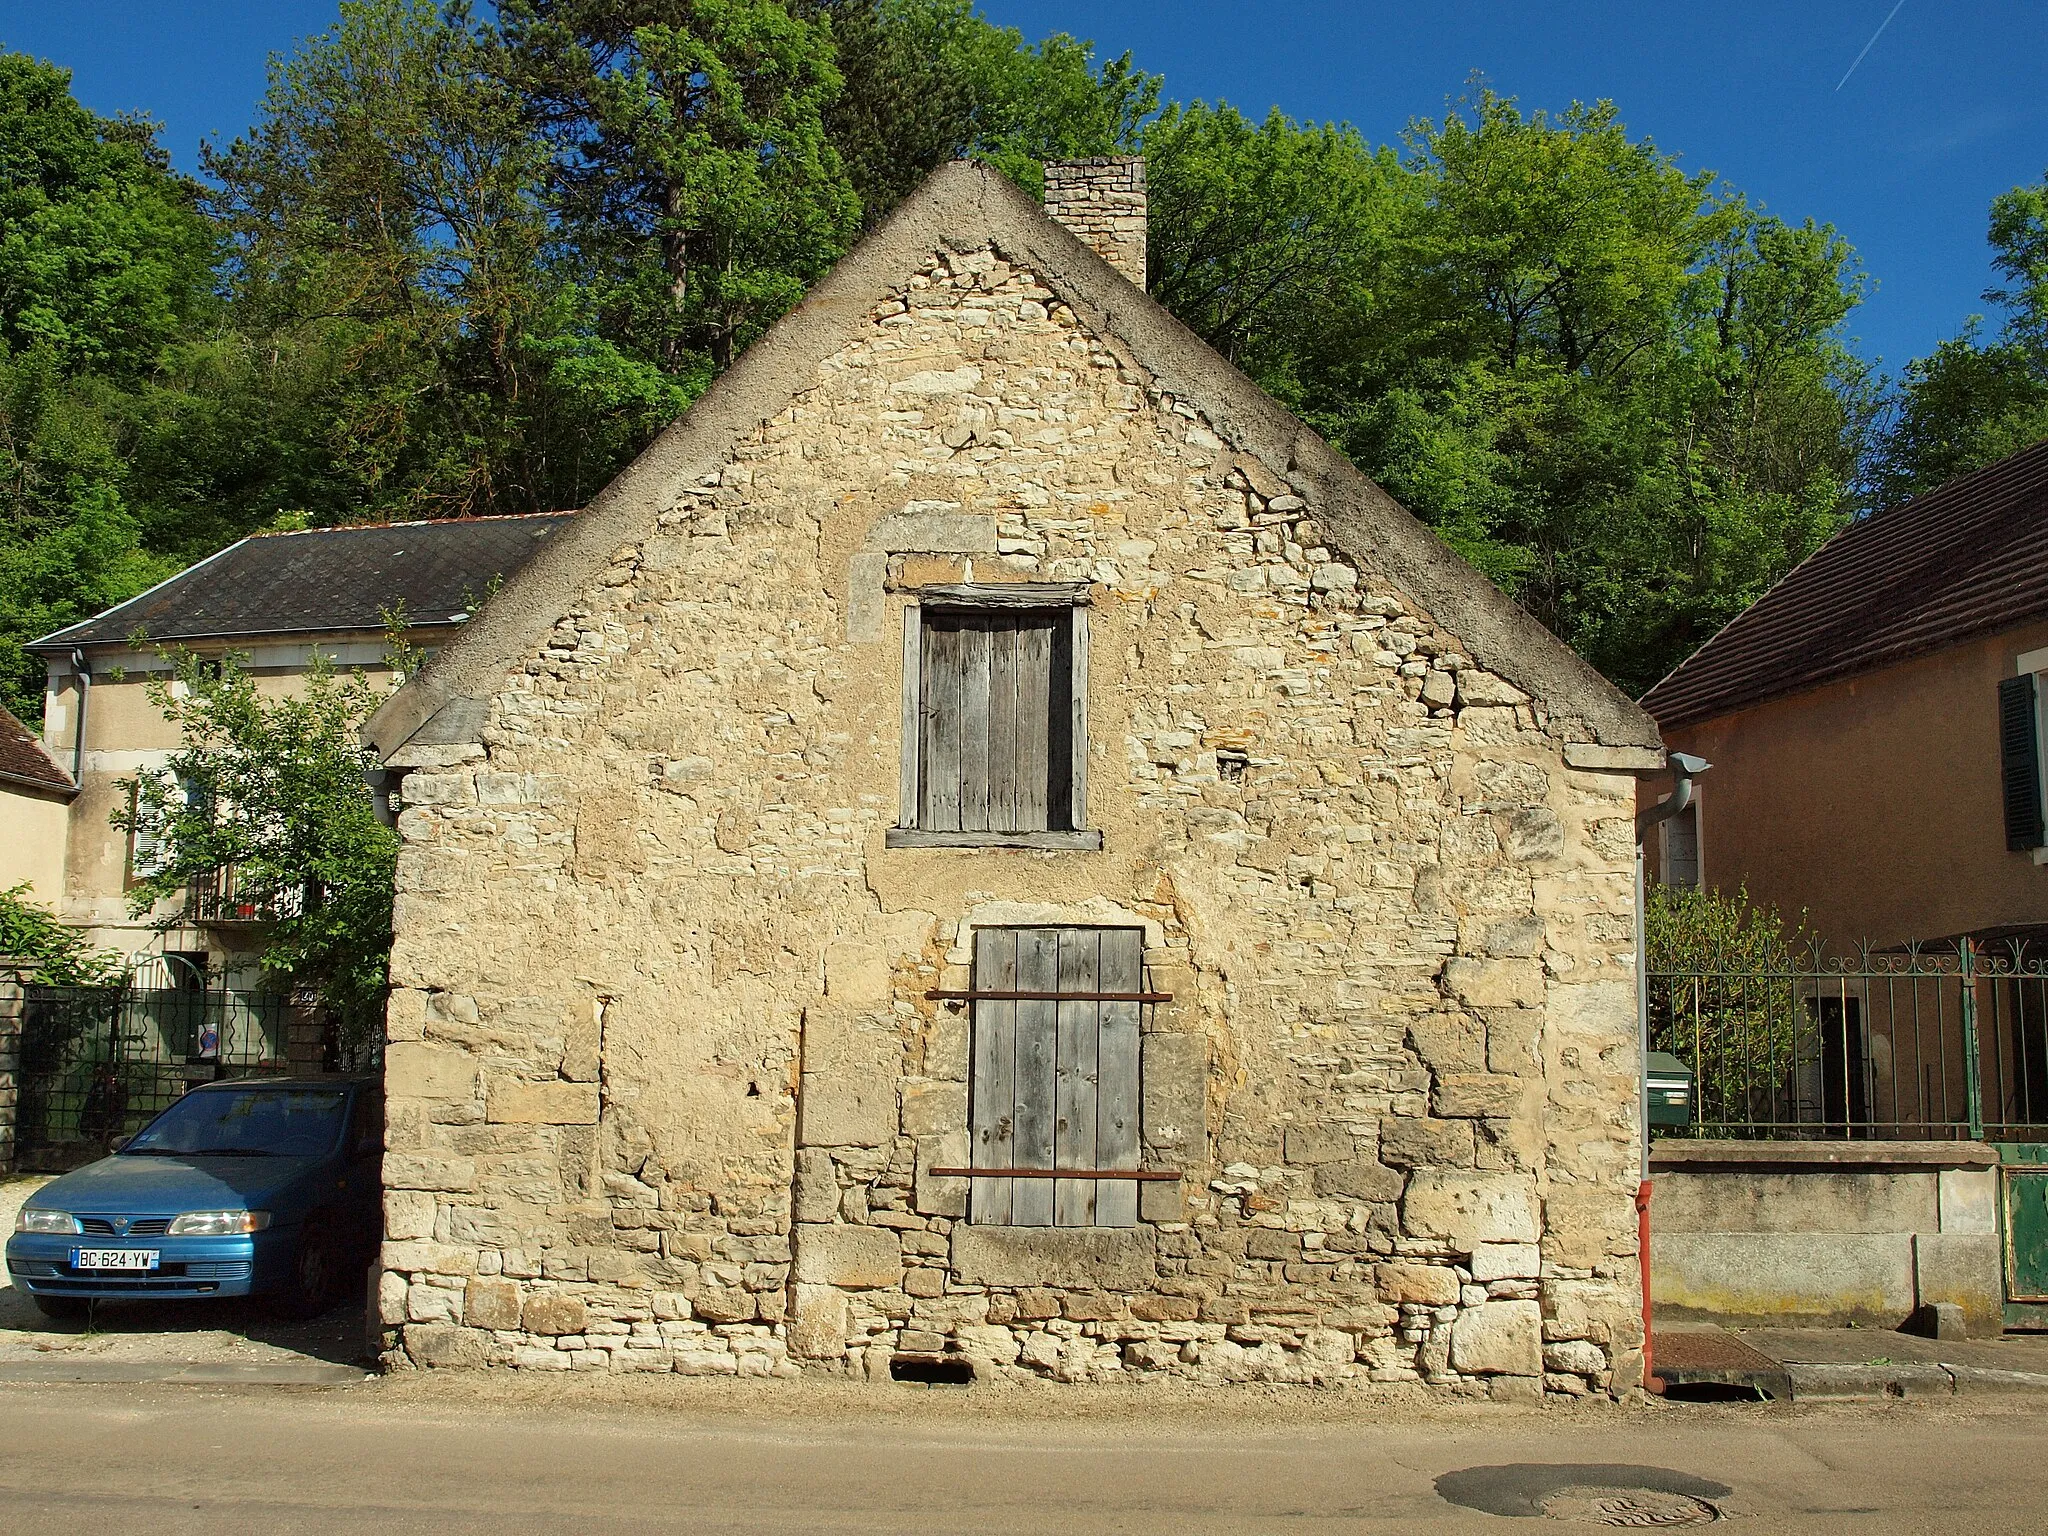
(217, 899)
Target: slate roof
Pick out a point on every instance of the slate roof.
(1967, 558)
(325, 579)
(23, 760)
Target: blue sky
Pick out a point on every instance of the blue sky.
(1946, 110)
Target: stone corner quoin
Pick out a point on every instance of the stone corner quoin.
(666, 1088)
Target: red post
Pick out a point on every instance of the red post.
(1650, 1382)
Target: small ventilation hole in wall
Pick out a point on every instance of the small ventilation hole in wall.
(931, 1371)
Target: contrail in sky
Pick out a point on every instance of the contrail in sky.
(1871, 44)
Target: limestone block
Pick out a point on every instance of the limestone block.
(1173, 1077)
(1968, 1199)
(1482, 690)
(837, 1040)
(554, 1314)
(490, 1303)
(510, 1100)
(1596, 1013)
(857, 976)
(946, 1048)
(842, 1111)
(1576, 1356)
(934, 533)
(866, 602)
(1467, 1209)
(1448, 1042)
(817, 1185)
(1308, 1144)
(1078, 1258)
(1582, 1227)
(442, 1344)
(857, 1258)
(432, 1304)
(1591, 755)
(1358, 1178)
(1494, 983)
(428, 1171)
(422, 1257)
(419, 1071)
(933, 1195)
(1429, 1285)
(1478, 1095)
(1506, 1261)
(1499, 1338)
(933, 1108)
(1535, 835)
(408, 1213)
(818, 1328)
(1415, 1141)
(1966, 1268)
(1163, 1200)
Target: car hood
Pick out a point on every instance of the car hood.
(167, 1186)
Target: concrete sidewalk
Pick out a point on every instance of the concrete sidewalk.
(1847, 1364)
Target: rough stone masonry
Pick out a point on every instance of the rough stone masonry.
(667, 1086)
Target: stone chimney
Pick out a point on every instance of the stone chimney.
(1103, 202)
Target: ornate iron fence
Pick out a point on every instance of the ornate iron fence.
(99, 1062)
(1912, 1044)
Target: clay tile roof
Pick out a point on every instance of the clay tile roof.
(23, 760)
(325, 579)
(1968, 558)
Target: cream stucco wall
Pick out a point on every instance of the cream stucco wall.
(666, 1087)
(32, 832)
(1872, 805)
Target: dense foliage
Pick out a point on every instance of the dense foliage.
(60, 956)
(272, 789)
(469, 259)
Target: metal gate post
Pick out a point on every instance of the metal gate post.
(1973, 1069)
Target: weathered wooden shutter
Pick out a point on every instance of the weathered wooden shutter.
(1055, 1082)
(2019, 762)
(995, 722)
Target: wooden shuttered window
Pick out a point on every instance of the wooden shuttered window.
(2019, 752)
(995, 719)
(1055, 1082)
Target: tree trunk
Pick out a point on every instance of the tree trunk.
(675, 261)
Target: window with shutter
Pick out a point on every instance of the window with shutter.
(995, 718)
(2020, 762)
(1055, 1075)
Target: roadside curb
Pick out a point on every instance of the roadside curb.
(1864, 1383)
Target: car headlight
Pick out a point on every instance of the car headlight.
(217, 1223)
(29, 1219)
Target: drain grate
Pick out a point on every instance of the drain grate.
(1636, 1509)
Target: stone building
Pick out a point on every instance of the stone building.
(988, 738)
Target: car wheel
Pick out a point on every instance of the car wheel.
(62, 1309)
(310, 1290)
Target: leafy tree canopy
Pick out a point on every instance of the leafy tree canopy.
(61, 956)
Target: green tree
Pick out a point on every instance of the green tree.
(1974, 400)
(272, 789)
(696, 182)
(1613, 386)
(61, 955)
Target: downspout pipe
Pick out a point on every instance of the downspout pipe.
(1684, 769)
(84, 676)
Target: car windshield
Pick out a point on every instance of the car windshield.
(245, 1122)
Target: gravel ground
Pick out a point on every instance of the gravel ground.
(169, 1333)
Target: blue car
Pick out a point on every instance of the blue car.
(263, 1187)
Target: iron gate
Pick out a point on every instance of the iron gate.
(99, 1062)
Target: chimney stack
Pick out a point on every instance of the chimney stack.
(1103, 202)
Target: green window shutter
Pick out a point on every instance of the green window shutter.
(2019, 763)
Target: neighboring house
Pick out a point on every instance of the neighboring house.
(1875, 722)
(273, 599)
(35, 796)
(988, 739)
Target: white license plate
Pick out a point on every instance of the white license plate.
(113, 1258)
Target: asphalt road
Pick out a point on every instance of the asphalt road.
(386, 1461)
(181, 1459)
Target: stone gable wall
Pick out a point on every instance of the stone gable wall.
(665, 1085)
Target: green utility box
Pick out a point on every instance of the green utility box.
(1670, 1084)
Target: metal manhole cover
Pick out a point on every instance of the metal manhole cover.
(1637, 1509)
